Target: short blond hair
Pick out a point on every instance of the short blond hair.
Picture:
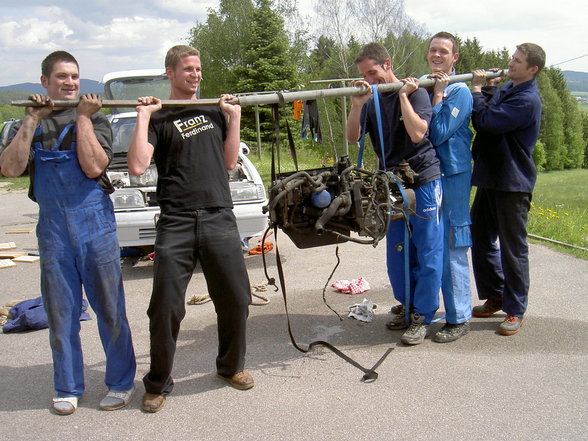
(175, 54)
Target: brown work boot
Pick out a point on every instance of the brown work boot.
(490, 307)
(241, 380)
(153, 402)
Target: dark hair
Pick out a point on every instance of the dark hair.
(373, 51)
(447, 36)
(177, 52)
(535, 54)
(56, 57)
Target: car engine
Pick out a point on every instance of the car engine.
(325, 206)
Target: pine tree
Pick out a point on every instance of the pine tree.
(267, 65)
(551, 134)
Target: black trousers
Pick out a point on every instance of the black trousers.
(211, 237)
(501, 271)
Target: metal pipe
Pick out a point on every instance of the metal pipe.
(269, 98)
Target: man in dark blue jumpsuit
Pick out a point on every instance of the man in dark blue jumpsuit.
(193, 148)
(507, 124)
(67, 151)
(406, 115)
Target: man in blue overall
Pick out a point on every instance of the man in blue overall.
(193, 147)
(450, 134)
(507, 122)
(405, 118)
(67, 151)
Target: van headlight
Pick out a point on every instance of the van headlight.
(147, 179)
(127, 198)
(246, 191)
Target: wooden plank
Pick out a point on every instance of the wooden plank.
(6, 263)
(7, 246)
(27, 259)
(21, 231)
(11, 254)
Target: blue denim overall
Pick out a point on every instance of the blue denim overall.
(78, 246)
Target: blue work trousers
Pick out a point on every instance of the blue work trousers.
(425, 248)
(456, 286)
(501, 272)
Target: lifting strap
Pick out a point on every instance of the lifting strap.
(370, 375)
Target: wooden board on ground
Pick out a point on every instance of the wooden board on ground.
(7, 246)
(11, 254)
(27, 259)
(6, 263)
(21, 231)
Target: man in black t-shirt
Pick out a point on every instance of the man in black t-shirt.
(405, 117)
(193, 148)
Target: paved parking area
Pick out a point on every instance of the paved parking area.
(531, 386)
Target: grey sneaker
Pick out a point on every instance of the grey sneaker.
(511, 325)
(416, 332)
(451, 332)
(116, 399)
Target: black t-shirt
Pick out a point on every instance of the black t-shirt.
(398, 146)
(189, 155)
(51, 128)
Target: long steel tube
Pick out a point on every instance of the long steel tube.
(269, 98)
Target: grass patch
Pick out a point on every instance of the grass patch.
(559, 209)
(15, 184)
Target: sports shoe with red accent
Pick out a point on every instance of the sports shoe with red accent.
(511, 325)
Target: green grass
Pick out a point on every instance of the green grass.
(559, 209)
(15, 184)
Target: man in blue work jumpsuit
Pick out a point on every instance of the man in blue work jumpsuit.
(405, 119)
(452, 137)
(67, 151)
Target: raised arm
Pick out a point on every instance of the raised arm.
(353, 129)
(233, 140)
(15, 158)
(416, 127)
(91, 155)
(140, 150)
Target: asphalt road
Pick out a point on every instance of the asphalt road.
(531, 386)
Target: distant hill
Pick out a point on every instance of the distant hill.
(25, 89)
(576, 81)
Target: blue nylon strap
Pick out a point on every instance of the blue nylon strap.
(379, 121)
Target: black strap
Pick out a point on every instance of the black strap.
(292, 147)
(370, 375)
(276, 143)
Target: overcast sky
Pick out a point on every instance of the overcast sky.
(108, 35)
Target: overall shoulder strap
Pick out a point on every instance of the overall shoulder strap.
(62, 135)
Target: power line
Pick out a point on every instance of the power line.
(572, 59)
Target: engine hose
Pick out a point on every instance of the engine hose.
(338, 207)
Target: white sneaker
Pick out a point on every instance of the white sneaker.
(116, 399)
(65, 405)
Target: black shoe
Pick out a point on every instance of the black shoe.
(451, 332)
(490, 307)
